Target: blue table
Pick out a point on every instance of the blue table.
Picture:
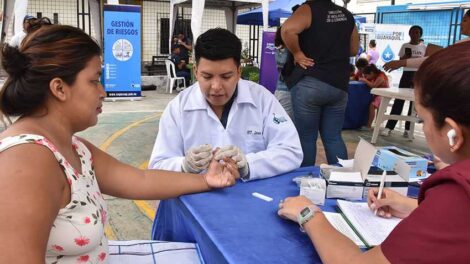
(357, 109)
(232, 226)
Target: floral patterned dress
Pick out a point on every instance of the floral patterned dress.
(77, 235)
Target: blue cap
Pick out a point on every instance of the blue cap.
(28, 17)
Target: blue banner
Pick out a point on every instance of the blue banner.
(122, 50)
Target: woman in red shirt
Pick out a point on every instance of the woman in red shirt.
(435, 227)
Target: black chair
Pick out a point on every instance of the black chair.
(157, 67)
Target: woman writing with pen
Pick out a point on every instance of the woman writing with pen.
(435, 227)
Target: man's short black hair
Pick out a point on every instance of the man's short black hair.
(218, 44)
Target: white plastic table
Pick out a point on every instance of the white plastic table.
(388, 94)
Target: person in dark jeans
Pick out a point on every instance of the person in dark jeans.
(321, 37)
(413, 49)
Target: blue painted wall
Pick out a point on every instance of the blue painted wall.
(441, 27)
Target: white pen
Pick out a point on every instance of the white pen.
(381, 188)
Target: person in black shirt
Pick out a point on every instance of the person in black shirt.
(321, 37)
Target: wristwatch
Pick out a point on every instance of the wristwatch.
(306, 215)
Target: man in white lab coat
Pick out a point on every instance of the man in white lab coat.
(236, 118)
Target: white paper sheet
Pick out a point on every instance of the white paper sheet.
(338, 222)
(346, 163)
(345, 176)
(373, 229)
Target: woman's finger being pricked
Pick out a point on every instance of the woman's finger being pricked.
(233, 169)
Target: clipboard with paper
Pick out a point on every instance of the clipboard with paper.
(359, 223)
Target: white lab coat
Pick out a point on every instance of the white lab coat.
(257, 124)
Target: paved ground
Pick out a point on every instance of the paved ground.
(127, 130)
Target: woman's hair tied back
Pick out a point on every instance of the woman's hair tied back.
(14, 61)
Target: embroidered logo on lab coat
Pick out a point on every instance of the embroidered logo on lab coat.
(279, 119)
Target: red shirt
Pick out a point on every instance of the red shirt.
(438, 231)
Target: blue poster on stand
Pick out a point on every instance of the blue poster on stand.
(122, 51)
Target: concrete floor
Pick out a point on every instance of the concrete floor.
(127, 130)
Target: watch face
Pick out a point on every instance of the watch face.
(305, 212)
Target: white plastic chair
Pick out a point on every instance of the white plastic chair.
(171, 75)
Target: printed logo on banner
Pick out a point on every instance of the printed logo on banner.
(387, 54)
(122, 49)
(389, 35)
(270, 48)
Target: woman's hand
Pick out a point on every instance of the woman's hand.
(302, 60)
(221, 175)
(391, 203)
(393, 65)
(290, 207)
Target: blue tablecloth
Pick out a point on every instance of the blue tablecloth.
(357, 110)
(232, 226)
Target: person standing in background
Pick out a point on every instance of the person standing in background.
(372, 54)
(413, 49)
(416, 62)
(321, 37)
(282, 93)
(19, 36)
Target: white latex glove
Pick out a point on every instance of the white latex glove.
(235, 153)
(197, 158)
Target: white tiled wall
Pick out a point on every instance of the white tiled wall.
(151, 12)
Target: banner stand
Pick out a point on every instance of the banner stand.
(268, 71)
(121, 74)
(389, 39)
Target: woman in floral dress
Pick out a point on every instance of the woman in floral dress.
(51, 182)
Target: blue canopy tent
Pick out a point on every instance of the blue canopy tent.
(277, 9)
